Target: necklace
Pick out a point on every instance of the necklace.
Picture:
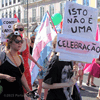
(15, 62)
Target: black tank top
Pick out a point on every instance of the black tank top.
(13, 90)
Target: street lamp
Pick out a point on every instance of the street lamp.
(27, 18)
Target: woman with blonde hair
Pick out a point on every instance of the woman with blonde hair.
(24, 51)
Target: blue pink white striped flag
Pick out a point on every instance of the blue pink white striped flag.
(42, 46)
(1, 22)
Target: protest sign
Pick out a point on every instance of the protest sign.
(80, 20)
(74, 48)
(7, 27)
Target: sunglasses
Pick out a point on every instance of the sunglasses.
(18, 41)
(20, 29)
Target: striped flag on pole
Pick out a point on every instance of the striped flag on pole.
(42, 46)
(1, 22)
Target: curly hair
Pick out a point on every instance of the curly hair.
(10, 38)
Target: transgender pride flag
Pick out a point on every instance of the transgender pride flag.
(42, 46)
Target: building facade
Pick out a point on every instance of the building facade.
(37, 8)
(10, 7)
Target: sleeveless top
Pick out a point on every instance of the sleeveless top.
(11, 90)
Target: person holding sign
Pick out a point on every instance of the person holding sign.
(24, 51)
(59, 78)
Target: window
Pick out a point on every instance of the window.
(98, 3)
(19, 15)
(62, 7)
(51, 9)
(10, 1)
(41, 13)
(34, 0)
(25, 16)
(6, 15)
(33, 15)
(74, 1)
(2, 15)
(6, 2)
(25, 1)
(14, 12)
(99, 13)
(86, 2)
(10, 14)
(2, 3)
(14, 1)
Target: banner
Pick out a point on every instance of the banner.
(76, 48)
(80, 20)
(7, 27)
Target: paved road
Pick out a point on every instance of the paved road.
(90, 93)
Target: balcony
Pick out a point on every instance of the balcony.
(24, 2)
(24, 20)
(31, 20)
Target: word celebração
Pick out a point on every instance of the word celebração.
(78, 45)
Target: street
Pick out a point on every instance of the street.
(90, 93)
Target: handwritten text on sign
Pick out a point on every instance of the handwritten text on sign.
(7, 27)
(74, 44)
(80, 19)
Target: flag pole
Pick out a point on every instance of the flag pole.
(27, 18)
(52, 22)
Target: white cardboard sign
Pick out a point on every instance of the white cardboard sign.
(80, 20)
(77, 48)
(7, 27)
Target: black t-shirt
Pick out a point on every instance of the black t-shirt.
(59, 72)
